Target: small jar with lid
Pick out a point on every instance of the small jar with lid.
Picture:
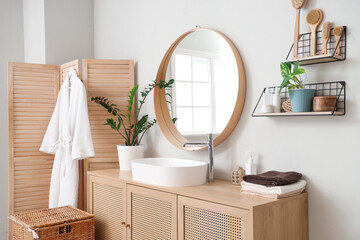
(237, 175)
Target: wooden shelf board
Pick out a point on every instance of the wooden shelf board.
(317, 59)
(327, 113)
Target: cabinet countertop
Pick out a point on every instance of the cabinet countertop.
(221, 191)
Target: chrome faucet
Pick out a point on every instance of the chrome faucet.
(210, 145)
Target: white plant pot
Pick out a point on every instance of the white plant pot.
(128, 153)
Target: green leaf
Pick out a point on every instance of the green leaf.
(292, 86)
(296, 66)
(285, 69)
(298, 71)
(142, 121)
(284, 83)
(110, 107)
(131, 99)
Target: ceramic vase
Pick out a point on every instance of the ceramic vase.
(128, 153)
(301, 99)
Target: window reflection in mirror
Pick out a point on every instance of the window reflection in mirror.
(206, 84)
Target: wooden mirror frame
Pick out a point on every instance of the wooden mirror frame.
(163, 117)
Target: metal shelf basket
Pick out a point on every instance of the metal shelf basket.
(322, 89)
(304, 57)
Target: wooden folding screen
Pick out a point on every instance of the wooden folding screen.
(112, 79)
(32, 93)
(32, 90)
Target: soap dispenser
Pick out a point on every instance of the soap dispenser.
(250, 166)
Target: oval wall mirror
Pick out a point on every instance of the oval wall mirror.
(208, 94)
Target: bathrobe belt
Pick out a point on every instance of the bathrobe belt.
(64, 143)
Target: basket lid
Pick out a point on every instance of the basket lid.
(50, 216)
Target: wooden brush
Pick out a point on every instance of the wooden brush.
(325, 36)
(314, 19)
(297, 4)
(338, 31)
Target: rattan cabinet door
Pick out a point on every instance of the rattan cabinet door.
(151, 214)
(107, 201)
(201, 220)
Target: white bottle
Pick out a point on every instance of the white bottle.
(276, 101)
(268, 97)
(250, 166)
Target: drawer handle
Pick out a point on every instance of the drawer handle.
(122, 223)
(127, 225)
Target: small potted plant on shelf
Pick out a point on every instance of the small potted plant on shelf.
(131, 129)
(301, 98)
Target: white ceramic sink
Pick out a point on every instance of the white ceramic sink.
(169, 172)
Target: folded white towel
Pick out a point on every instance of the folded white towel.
(273, 196)
(279, 190)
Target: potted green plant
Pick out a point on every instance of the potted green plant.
(132, 130)
(301, 98)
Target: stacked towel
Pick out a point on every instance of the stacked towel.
(273, 184)
(274, 178)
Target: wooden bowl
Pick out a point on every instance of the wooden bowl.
(324, 103)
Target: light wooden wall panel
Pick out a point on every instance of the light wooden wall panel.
(32, 93)
(65, 68)
(112, 79)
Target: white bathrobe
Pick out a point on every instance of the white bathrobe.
(68, 137)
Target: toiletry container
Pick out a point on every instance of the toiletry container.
(237, 175)
(268, 97)
(276, 101)
(265, 108)
(250, 166)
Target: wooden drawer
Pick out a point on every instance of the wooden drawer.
(200, 220)
(152, 214)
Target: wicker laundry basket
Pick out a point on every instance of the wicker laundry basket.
(53, 224)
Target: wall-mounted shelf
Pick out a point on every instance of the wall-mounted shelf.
(304, 57)
(322, 89)
(288, 114)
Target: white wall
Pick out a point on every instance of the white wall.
(56, 32)
(69, 30)
(11, 49)
(34, 31)
(324, 149)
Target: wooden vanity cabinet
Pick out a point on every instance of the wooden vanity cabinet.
(124, 211)
(130, 210)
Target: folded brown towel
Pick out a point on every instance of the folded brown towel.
(273, 178)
